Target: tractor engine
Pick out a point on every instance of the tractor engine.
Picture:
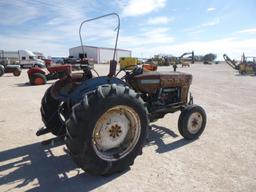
(162, 88)
(165, 96)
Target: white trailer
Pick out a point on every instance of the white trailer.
(24, 58)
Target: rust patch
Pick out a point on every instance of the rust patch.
(150, 82)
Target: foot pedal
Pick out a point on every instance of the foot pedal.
(42, 131)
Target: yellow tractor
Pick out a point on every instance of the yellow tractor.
(247, 65)
(129, 63)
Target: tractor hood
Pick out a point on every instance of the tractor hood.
(151, 81)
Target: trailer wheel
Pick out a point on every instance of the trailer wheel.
(192, 121)
(17, 72)
(52, 115)
(1, 70)
(107, 130)
(38, 79)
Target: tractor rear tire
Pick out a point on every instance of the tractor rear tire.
(1, 70)
(107, 130)
(50, 114)
(38, 79)
(192, 121)
(17, 73)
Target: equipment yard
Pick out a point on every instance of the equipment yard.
(222, 159)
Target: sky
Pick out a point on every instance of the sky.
(148, 27)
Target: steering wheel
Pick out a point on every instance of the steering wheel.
(135, 71)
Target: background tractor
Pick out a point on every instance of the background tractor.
(38, 76)
(7, 68)
(185, 61)
(104, 120)
(131, 62)
(181, 59)
(244, 66)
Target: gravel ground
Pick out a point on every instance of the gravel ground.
(223, 159)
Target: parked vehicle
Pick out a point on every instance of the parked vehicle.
(27, 59)
(247, 65)
(128, 61)
(38, 76)
(48, 62)
(105, 119)
(58, 60)
(24, 58)
(182, 58)
(7, 68)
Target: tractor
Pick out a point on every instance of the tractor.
(184, 61)
(104, 120)
(14, 69)
(38, 76)
(244, 66)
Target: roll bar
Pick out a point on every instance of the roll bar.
(96, 18)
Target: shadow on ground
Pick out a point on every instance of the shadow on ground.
(158, 133)
(36, 162)
(245, 75)
(7, 75)
(22, 84)
(27, 84)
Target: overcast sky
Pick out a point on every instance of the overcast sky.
(148, 27)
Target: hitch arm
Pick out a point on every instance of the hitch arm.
(230, 62)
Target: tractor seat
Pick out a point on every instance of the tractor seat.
(77, 77)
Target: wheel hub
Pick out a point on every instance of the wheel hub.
(116, 132)
(113, 129)
(195, 122)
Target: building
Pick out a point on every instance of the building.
(98, 54)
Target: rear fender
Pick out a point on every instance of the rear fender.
(35, 70)
(72, 90)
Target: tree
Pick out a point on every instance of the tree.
(210, 57)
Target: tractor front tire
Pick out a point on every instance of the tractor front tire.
(107, 130)
(38, 79)
(192, 121)
(50, 112)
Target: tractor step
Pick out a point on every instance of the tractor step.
(42, 131)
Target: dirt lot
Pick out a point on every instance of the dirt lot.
(223, 159)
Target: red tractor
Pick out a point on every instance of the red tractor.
(37, 76)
